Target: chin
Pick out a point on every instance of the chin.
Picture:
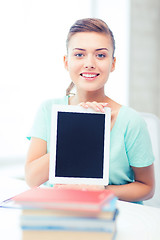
(91, 88)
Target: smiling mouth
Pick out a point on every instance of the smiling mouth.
(89, 75)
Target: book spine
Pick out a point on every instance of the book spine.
(67, 222)
(57, 228)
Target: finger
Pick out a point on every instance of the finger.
(101, 107)
(95, 106)
(83, 104)
(104, 104)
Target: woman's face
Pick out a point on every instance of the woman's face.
(89, 60)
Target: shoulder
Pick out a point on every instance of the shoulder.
(47, 105)
(135, 127)
(130, 117)
(129, 111)
(42, 119)
(45, 108)
(131, 124)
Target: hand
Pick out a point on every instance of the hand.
(98, 107)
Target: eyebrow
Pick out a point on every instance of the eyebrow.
(99, 49)
(81, 49)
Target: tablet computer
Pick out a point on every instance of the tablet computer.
(79, 146)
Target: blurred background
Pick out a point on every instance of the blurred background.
(32, 46)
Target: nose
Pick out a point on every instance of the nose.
(89, 62)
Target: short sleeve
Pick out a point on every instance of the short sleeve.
(40, 123)
(137, 142)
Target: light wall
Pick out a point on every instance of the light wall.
(144, 84)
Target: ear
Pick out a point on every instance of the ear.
(113, 64)
(65, 60)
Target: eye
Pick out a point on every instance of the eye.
(79, 55)
(101, 55)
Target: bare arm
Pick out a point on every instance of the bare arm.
(37, 163)
(141, 189)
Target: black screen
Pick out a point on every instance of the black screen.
(80, 145)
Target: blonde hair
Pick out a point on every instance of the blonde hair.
(88, 25)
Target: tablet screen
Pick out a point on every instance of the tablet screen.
(79, 146)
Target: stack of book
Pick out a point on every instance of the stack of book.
(67, 214)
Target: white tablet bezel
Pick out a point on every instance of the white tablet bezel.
(52, 165)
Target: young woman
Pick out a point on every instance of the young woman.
(89, 60)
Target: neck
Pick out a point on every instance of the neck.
(98, 96)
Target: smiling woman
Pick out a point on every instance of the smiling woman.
(131, 173)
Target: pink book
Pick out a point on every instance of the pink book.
(68, 199)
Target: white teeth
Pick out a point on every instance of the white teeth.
(89, 75)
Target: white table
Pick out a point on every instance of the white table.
(138, 222)
(135, 222)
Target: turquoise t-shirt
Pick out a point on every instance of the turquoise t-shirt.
(130, 143)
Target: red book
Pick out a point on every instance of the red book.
(68, 199)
